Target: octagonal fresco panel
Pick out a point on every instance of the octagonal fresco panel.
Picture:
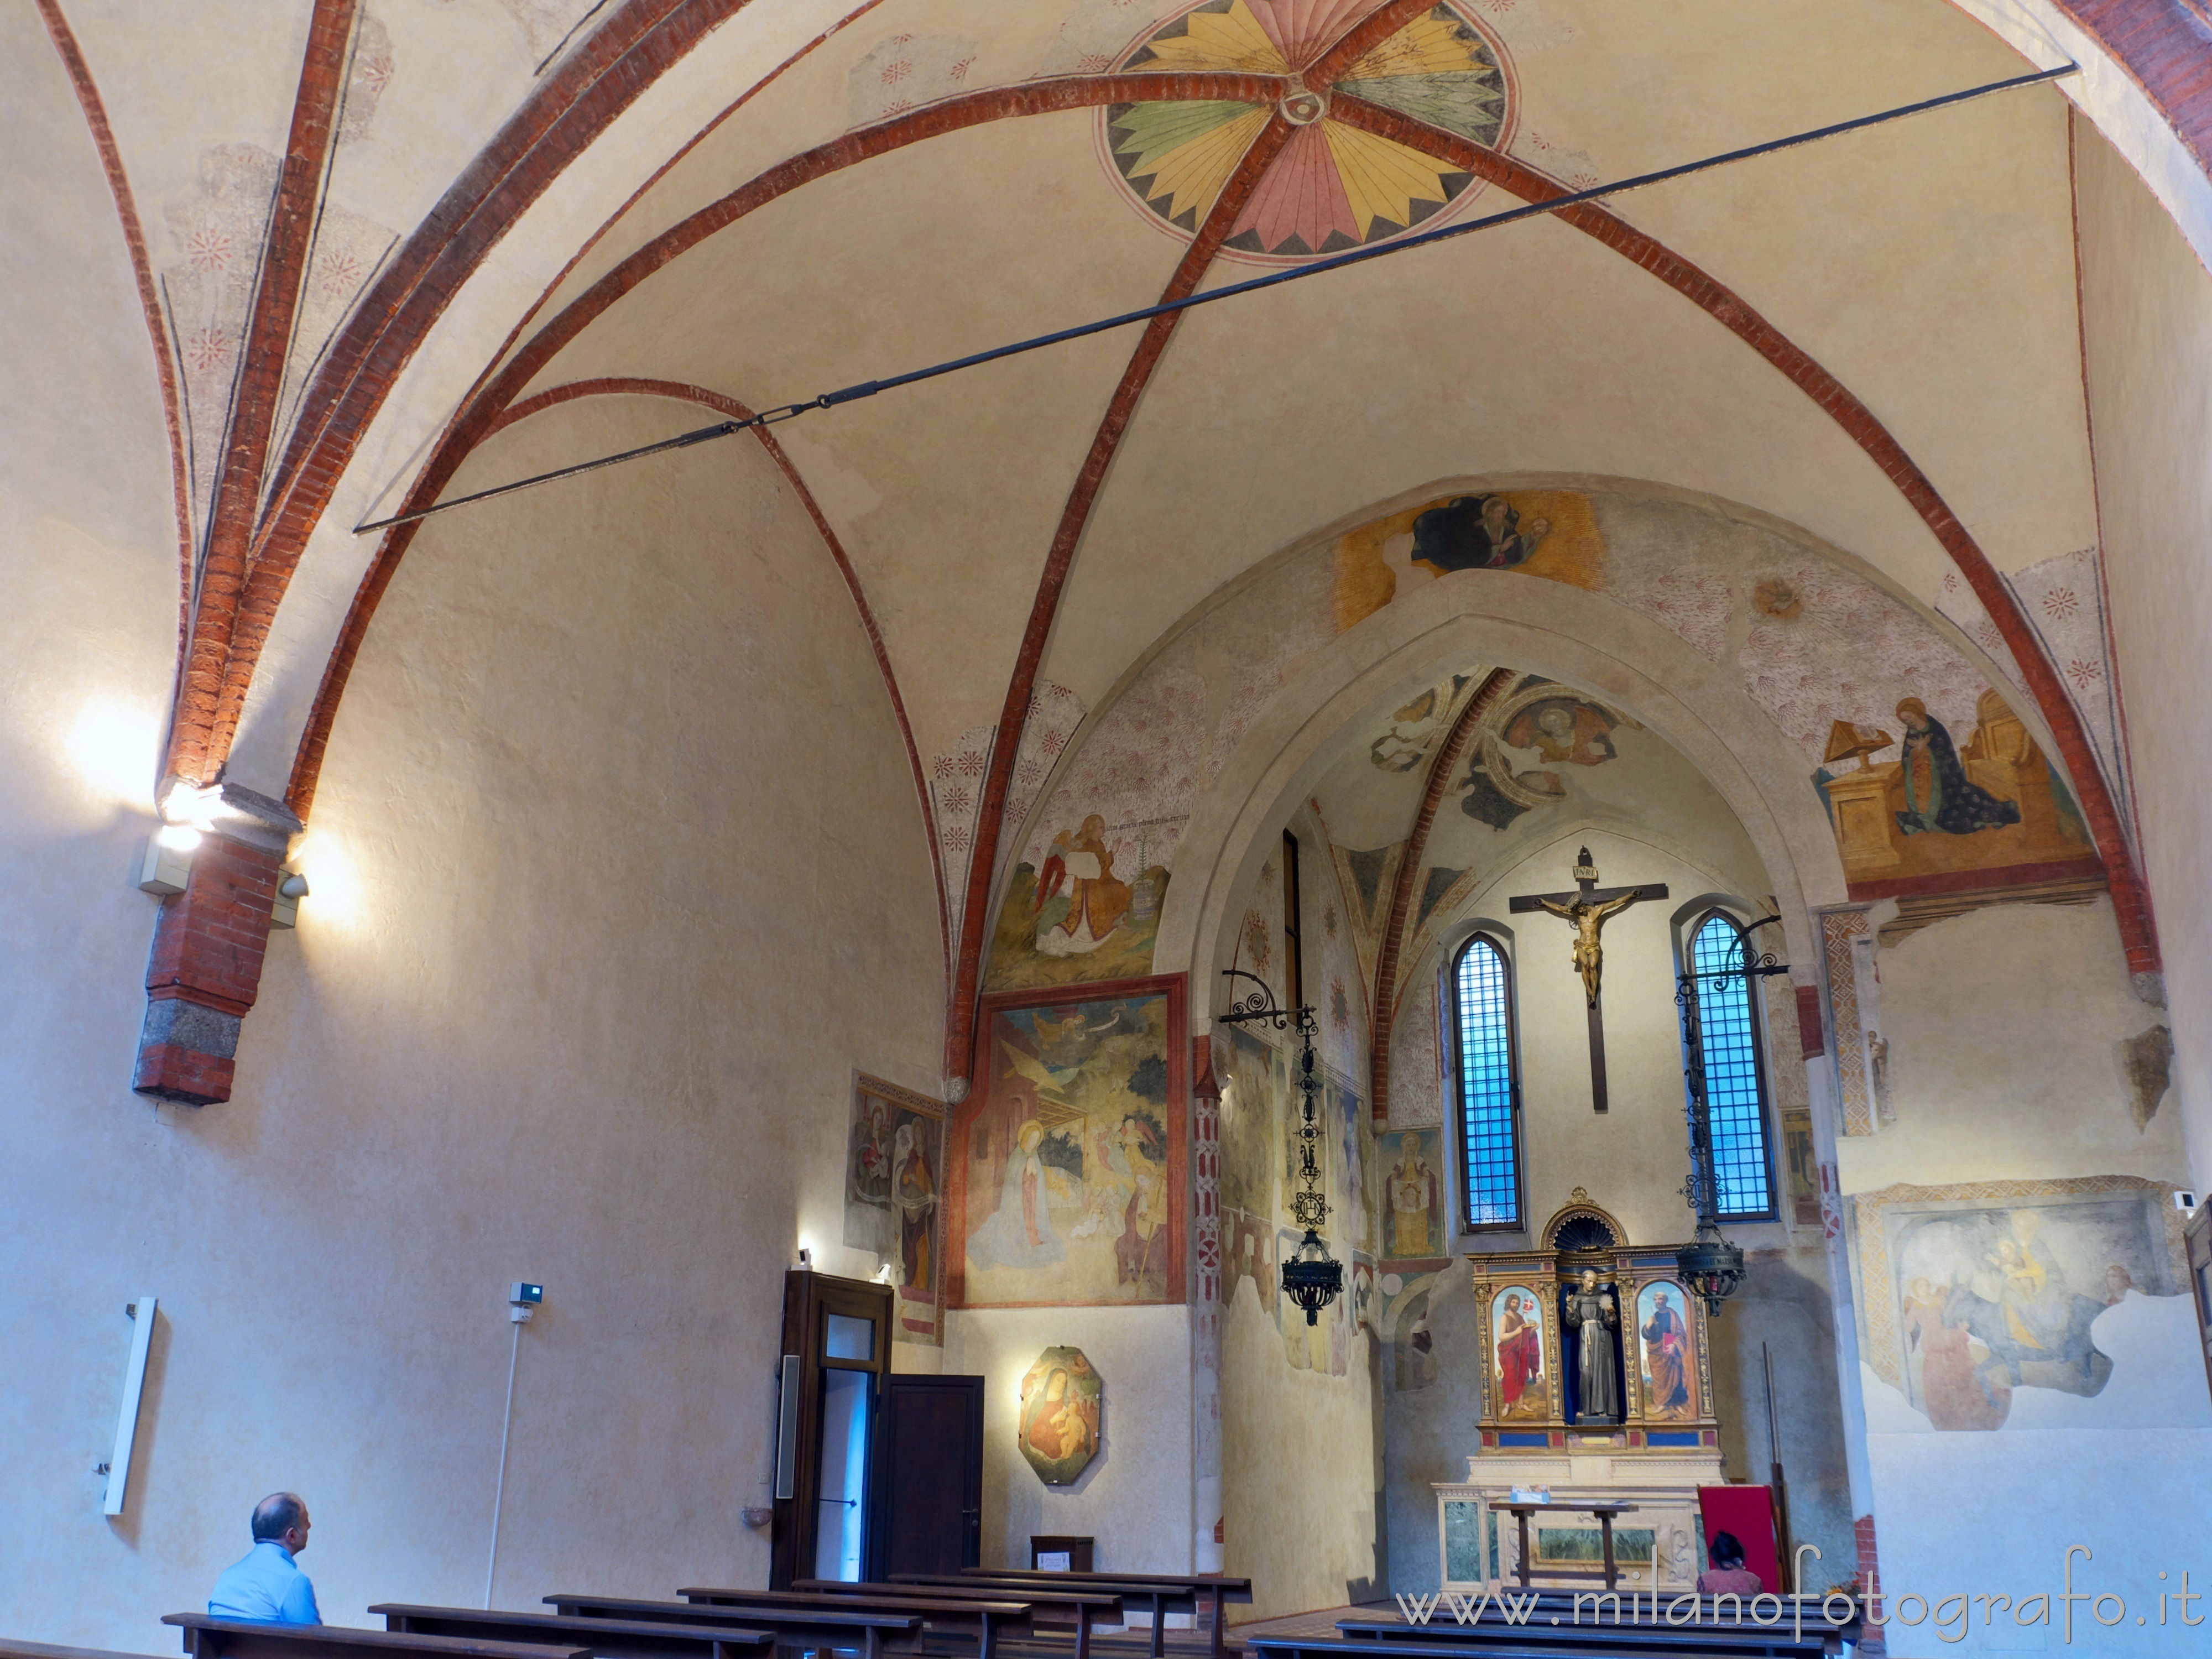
(1060, 1397)
(1335, 185)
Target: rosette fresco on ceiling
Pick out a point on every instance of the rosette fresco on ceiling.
(1334, 186)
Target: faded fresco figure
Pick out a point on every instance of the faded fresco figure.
(1476, 532)
(1019, 1233)
(1951, 1392)
(1414, 1228)
(1666, 1359)
(1596, 1319)
(1097, 902)
(1937, 797)
(913, 1186)
(1137, 1156)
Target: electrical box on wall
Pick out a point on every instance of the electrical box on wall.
(165, 869)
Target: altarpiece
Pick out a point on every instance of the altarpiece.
(1538, 1434)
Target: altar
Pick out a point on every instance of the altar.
(1651, 1443)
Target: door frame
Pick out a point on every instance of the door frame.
(809, 1299)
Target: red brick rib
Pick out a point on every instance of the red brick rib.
(1384, 1013)
(1188, 273)
(195, 750)
(2130, 902)
(307, 765)
(142, 268)
(303, 493)
(2165, 47)
(1362, 38)
(567, 111)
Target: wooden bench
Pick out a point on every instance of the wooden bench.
(10, 1649)
(609, 1638)
(865, 1629)
(1569, 1616)
(1162, 1590)
(1084, 1606)
(986, 1619)
(209, 1638)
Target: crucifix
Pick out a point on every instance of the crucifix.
(1588, 909)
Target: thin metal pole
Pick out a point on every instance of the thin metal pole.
(499, 1491)
(1334, 262)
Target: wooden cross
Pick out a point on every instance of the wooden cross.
(1588, 909)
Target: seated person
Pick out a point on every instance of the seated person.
(267, 1587)
(1727, 1575)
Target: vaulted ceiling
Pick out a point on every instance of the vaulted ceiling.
(372, 236)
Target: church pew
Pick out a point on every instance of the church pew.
(609, 1638)
(1501, 1644)
(986, 1619)
(209, 1637)
(11, 1648)
(1216, 1588)
(825, 1624)
(1085, 1607)
(1551, 1618)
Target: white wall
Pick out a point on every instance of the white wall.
(1134, 1499)
(2147, 335)
(618, 874)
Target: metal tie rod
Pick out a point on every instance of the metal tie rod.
(1123, 319)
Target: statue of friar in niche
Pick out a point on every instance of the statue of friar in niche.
(1596, 1316)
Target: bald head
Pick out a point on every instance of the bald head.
(281, 1518)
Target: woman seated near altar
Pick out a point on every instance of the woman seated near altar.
(1727, 1576)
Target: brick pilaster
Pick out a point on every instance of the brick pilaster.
(209, 943)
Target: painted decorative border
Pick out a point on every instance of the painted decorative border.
(1837, 929)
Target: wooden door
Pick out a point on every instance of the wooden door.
(930, 1518)
(2198, 1233)
(837, 1352)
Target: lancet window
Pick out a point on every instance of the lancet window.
(1736, 1075)
(1489, 1085)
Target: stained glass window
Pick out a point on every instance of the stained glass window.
(1735, 1083)
(1488, 1093)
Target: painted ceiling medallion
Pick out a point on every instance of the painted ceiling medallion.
(1334, 186)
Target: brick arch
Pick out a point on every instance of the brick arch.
(272, 572)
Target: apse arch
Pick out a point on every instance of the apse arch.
(1580, 639)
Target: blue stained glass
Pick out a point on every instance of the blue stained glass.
(1734, 1099)
(1492, 1158)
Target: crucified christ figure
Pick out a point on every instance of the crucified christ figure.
(1589, 917)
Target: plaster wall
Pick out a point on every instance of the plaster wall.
(2146, 346)
(2005, 1081)
(1135, 1498)
(584, 861)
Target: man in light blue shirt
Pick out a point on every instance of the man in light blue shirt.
(268, 1587)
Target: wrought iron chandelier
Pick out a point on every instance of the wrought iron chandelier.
(1709, 1265)
(1311, 1278)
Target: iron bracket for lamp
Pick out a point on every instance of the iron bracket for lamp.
(1260, 1005)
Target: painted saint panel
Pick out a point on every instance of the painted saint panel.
(1666, 1353)
(894, 1164)
(1413, 1195)
(1071, 1154)
(1520, 1371)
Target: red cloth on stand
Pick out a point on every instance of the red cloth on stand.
(1748, 1512)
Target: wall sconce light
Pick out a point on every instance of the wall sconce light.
(168, 865)
(290, 890)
